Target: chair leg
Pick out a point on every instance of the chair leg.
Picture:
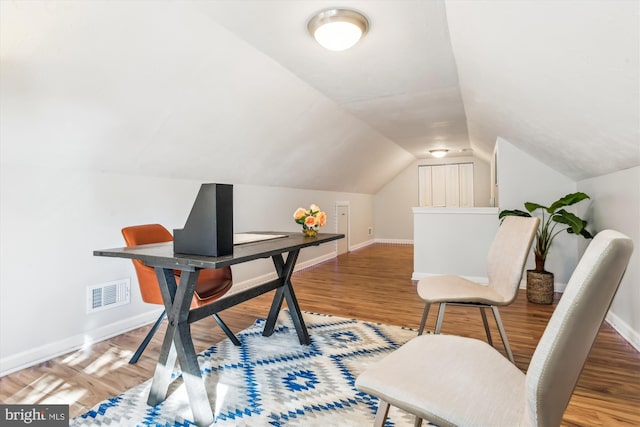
(418, 422)
(226, 330)
(503, 334)
(381, 414)
(146, 340)
(440, 317)
(486, 325)
(424, 318)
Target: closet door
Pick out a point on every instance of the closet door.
(452, 186)
(424, 175)
(439, 186)
(466, 185)
(448, 186)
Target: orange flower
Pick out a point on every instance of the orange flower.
(321, 219)
(299, 214)
(310, 221)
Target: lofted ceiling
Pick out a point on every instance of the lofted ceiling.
(238, 91)
(559, 79)
(401, 79)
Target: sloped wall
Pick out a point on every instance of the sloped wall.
(163, 90)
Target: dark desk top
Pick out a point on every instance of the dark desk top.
(162, 255)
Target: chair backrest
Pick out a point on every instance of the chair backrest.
(508, 254)
(212, 283)
(144, 235)
(562, 351)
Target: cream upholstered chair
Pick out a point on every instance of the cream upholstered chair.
(506, 260)
(451, 380)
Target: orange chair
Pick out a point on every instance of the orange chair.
(211, 285)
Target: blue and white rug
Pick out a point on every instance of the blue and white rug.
(273, 381)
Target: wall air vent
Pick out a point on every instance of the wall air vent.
(108, 295)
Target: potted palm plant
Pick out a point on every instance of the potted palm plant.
(554, 220)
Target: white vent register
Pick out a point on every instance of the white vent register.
(108, 295)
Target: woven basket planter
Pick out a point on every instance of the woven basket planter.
(540, 287)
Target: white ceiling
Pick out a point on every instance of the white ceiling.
(237, 91)
(559, 79)
(401, 79)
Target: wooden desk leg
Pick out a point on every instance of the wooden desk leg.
(285, 270)
(278, 262)
(273, 312)
(296, 315)
(178, 342)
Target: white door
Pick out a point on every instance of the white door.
(452, 186)
(438, 182)
(343, 228)
(424, 175)
(466, 185)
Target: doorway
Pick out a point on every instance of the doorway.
(342, 226)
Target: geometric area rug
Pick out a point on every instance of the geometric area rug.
(273, 381)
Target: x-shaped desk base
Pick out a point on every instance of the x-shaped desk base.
(179, 344)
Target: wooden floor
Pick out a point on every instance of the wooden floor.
(374, 284)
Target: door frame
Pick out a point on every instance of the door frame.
(347, 235)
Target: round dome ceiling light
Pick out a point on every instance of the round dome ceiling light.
(338, 29)
(439, 153)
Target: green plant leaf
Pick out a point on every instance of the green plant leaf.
(514, 212)
(584, 233)
(576, 225)
(530, 206)
(568, 200)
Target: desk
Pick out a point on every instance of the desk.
(177, 300)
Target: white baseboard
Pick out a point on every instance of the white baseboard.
(302, 265)
(362, 245)
(395, 241)
(49, 351)
(624, 329)
(417, 275)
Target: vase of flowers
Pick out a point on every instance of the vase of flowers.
(311, 219)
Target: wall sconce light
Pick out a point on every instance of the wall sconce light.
(338, 29)
(439, 153)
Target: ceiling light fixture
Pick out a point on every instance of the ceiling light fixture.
(338, 29)
(439, 153)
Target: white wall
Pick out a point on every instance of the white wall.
(453, 241)
(616, 205)
(522, 178)
(52, 220)
(394, 202)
